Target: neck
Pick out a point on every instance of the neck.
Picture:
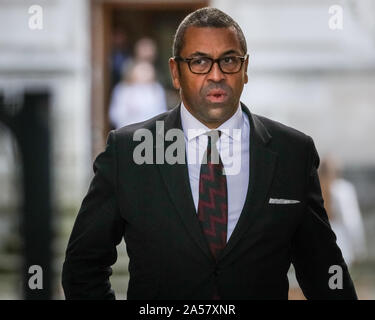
(209, 123)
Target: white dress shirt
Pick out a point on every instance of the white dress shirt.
(233, 147)
(136, 102)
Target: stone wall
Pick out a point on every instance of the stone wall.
(56, 58)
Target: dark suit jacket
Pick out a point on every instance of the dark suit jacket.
(151, 206)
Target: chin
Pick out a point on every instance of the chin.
(217, 117)
(220, 111)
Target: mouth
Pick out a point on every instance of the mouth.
(216, 96)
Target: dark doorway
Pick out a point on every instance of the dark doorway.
(157, 21)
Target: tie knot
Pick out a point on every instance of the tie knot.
(213, 137)
(212, 154)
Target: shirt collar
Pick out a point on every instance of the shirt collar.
(193, 127)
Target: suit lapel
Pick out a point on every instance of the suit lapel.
(176, 179)
(262, 165)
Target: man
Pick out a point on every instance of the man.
(192, 231)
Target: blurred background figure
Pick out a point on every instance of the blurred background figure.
(341, 203)
(145, 50)
(120, 55)
(139, 97)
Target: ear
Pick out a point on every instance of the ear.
(175, 74)
(245, 68)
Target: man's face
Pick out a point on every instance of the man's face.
(214, 97)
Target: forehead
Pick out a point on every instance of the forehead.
(212, 41)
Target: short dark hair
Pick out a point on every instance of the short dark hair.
(206, 18)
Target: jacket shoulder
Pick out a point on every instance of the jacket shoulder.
(281, 132)
(150, 124)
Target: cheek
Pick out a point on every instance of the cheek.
(192, 87)
(237, 85)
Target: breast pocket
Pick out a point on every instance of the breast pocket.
(276, 222)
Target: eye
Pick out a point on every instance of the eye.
(199, 61)
(229, 60)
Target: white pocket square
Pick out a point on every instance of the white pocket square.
(283, 201)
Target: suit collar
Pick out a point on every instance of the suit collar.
(173, 120)
(260, 133)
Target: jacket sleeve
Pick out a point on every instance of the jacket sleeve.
(97, 231)
(320, 268)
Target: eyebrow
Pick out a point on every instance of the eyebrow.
(202, 54)
(199, 54)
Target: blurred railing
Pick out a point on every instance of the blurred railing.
(30, 125)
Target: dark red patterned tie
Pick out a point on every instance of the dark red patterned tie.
(213, 199)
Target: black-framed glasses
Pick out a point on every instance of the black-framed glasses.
(203, 65)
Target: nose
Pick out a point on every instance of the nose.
(215, 74)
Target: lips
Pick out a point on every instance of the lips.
(217, 95)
